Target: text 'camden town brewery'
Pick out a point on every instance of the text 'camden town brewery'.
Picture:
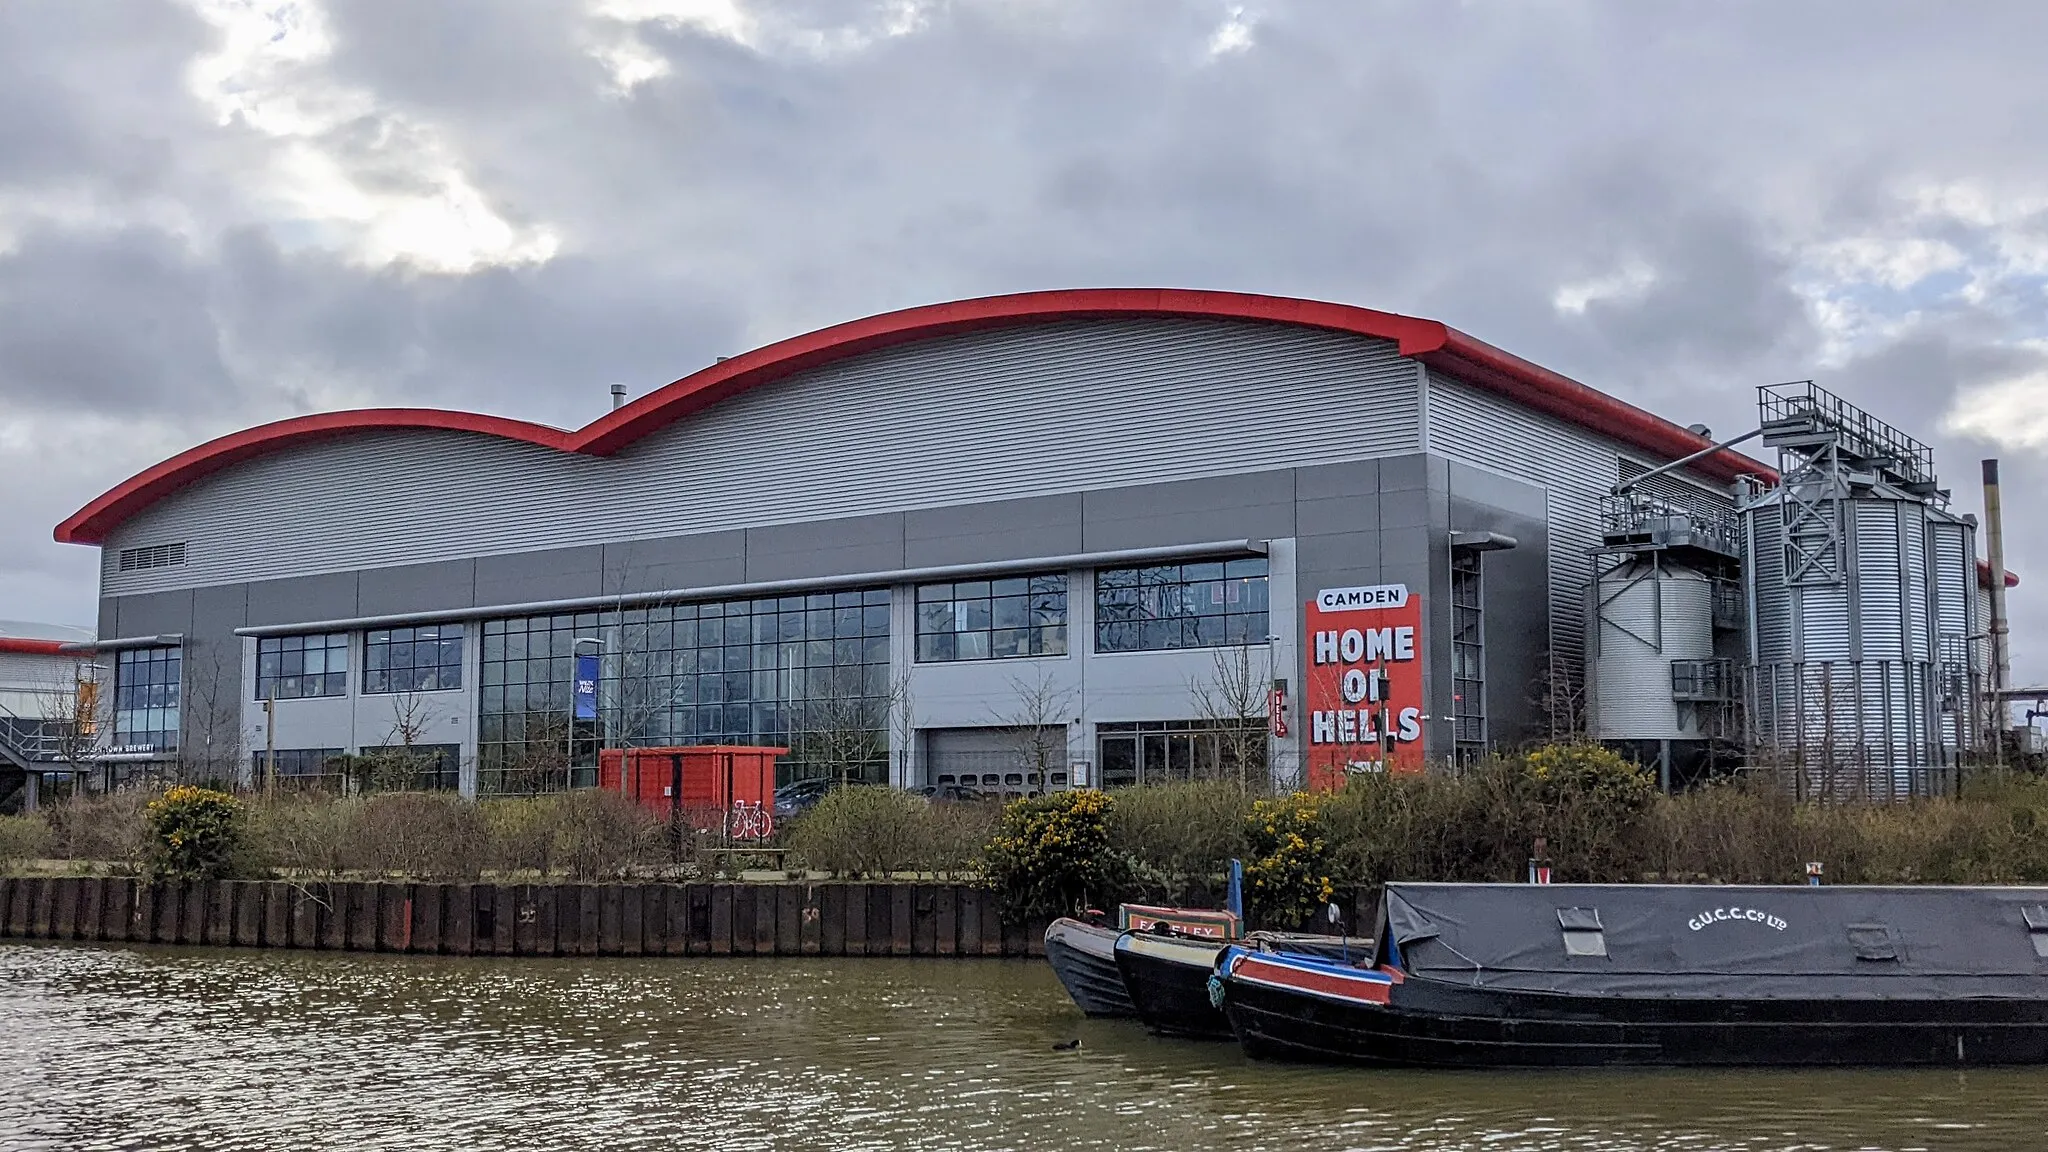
(1364, 691)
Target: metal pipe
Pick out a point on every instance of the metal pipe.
(2001, 657)
(618, 397)
(1626, 486)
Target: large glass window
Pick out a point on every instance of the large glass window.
(1165, 751)
(810, 673)
(992, 619)
(1468, 650)
(414, 767)
(1199, 605)
(146, 697)
(295, 667)
(299, 767)
(423, 659)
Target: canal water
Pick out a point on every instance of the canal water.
(133, 1048)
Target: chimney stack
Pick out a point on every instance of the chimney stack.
(618, 396)
(2001, 655)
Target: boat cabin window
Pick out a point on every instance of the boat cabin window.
(1873, 942)
(2037, 927)
(1582, 932)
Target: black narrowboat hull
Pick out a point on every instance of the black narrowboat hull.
(1083, 956)
(1428, 1023)
(1169, 985)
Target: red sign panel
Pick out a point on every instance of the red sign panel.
(1362, 700)
(1276, 711)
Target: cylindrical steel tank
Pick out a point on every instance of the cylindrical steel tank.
(1647, 613)
(1854, 642)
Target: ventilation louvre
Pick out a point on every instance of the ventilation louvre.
(152, 556)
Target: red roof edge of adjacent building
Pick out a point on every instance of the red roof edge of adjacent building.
(23, 646)
(1442, 348)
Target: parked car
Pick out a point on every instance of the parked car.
(800, 796)
(945, 792)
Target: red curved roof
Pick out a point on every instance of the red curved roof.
(1437, 345)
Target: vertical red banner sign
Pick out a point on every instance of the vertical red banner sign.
(1362, 700)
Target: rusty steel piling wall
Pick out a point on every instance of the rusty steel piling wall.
(831, 919)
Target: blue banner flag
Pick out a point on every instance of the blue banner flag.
(586, 687)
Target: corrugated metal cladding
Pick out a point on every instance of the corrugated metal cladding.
(1575, 466)
(1856, 667)
(1647, 618)
(1034, 410)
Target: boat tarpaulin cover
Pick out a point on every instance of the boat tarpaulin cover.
(1718, 942)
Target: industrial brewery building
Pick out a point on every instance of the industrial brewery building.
(1092, 537)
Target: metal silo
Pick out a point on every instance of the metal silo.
(1861, 612)
(1664, 587)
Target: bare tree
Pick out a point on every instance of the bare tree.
(213, 743)
(1230, 700)
(402, 762)
(1035, 722)
(1559, 693)
(838, 726)
(903, 712)
(68, 715)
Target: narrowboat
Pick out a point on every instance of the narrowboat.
(1483, 975)
(1168, 975)
(1083, 952)
(1083, 956)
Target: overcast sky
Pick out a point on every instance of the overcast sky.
(219, 212)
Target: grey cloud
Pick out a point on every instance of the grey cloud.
(1456, 161)
(110, 323)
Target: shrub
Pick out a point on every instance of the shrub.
(429, 836)
(195, 833)
(863, 830)
(300, 833)
(599, 835)
(1287, 880)
(1051, 854)
(1177, 841)
(104, 828)
(1591, 806)
(23, 838)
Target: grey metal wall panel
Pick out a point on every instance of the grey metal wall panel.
(154, 614)
(994, 530)
(1516, 625)
(825, 548)
(702, 560)
(1337, 481)
(327, 596)
(416, 587)
(1336, 514)
(1255, 506)
(1026, 411)
(523, 577)
(1577, 467)
(1356, 554)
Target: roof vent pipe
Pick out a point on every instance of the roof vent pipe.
(618, 396)
(1701, 431)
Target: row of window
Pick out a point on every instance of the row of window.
(736, 670)
(395, 660)
(1137, 609)
(383, 767)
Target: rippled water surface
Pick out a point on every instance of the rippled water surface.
(197, 1049)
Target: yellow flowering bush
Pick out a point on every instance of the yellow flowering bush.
(1287, 880)
(194, 833)
(1590, 772)
(1051, 854)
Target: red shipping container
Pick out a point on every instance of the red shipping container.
(717, 787)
